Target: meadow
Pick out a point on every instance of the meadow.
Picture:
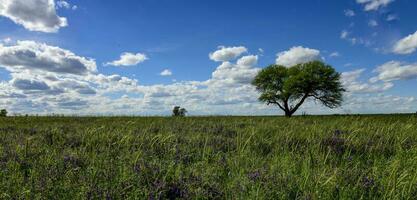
(304, 157)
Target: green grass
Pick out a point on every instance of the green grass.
(311, 157)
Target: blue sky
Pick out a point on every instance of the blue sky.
(77, 50)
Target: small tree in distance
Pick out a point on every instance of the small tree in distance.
(289, 87)
(179, 112)
(3, 113)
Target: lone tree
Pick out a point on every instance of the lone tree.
(289, 87)
(179, 112)
(3, 113)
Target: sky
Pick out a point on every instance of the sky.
(143, 57)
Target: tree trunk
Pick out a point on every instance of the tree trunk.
(286, 109)
(288, 113)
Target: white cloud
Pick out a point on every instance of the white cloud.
(227, 91)
(349, 13)
(344, 34)
(379, 103)
(395, 70)
(249, 61)
(261, 51)
(227, 53)
(353, 85)
(334, 54)
(240, 73)
(129, 59)
(34, 15)
(297, 55)
(65, 93)
(351, 76)
(373, 23)
(392, 17)
(373, 5)
(26, 85)
(7, 40)
(38, 70)
(406, 45)
(29, 55)
(66, 5)
(166, 72)
(63, 4)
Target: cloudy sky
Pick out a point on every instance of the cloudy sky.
(142, 57)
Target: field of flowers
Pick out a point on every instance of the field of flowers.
(304, 157)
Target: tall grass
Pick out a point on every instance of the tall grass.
(309, 157)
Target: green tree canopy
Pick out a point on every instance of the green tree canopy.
(179, 112)
(289, 87)
(3, 113)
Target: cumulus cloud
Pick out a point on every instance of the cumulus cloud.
(129, 59)
(166, 72)
(34, 15)
(373, 5)
(297, 55)
(227, 91)
(350, 81)
(248, 61)
(7, 92)
(80, 86)
(30, 55)
(29, 84)
(43, 74)
(379, 103)
(34, 85)
(240, 73)
(406, 45)
(70, 103)
(227, 53)
(395, 70)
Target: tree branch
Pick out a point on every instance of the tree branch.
(277, 103)
(299, 103)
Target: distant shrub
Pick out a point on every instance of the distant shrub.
(3, 113)
(179, 112)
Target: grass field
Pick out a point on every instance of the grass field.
(309, 157)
